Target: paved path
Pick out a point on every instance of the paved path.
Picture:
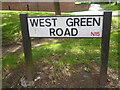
(95, 7)
(97, 11)
(116, 14)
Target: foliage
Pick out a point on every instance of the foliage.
(111, 6)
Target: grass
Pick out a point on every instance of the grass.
(74, 11)
(112, 6)
(11, 24)
(81, 3)
(117, 11)
(63, 52)
(71, 52)
(12, 61)
(115, 22)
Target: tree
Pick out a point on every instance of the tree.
(57, 7)
(115, 3)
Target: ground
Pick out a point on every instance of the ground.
(48, 76)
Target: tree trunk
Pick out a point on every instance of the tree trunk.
(115, 3)
(57, 7)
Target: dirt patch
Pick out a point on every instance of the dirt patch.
(47, 76)
(16, 47)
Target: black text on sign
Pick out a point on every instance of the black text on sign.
(70, 26)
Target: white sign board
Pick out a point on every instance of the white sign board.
(66, 26)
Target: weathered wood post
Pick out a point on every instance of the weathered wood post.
(105, 47)
(27, 47)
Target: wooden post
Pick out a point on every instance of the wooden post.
(27, 47)
(105, 47)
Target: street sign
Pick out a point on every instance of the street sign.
(66, 26)
(90, 26)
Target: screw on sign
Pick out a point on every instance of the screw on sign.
(83, 26)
